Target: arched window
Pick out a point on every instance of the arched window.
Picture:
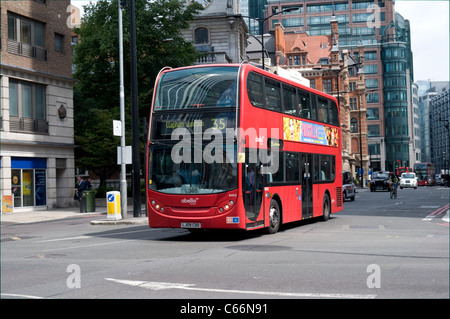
(354, 125)
(201, 36)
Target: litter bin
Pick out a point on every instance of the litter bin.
(82, 198)
(89, 197)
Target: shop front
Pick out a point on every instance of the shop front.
(29, 181)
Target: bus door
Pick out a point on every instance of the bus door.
(307, 187)
(253, 188)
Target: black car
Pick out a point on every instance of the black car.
(380, 181)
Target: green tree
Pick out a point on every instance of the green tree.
(96, 93)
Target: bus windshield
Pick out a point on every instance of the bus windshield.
(206, 177)
(197, 88)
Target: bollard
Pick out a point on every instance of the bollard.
(113, 205)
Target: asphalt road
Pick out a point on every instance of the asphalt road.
(375, 248)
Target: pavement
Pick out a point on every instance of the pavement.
(33, 216)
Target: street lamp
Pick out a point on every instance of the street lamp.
(261, 21)
(135, 115)
(123, 176)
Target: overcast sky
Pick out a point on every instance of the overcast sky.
(429, 22)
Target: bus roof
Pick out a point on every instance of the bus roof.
(250, 67)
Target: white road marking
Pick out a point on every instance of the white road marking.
(166, 285)
(61, 239)
(446, 218)
(87, 237)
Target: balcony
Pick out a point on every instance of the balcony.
(27, 50)
(213, 57)
(24, 124)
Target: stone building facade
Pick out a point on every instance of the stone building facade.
(36, 133)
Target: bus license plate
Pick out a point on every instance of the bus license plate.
(191, 225)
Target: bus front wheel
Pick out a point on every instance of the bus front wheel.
(274, 217)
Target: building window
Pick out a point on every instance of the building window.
(27, 106)
(372, 98)
(353, 103)
(59, 42)
(352, 86)
(362, 5)
(373, 130)
(373, 113)
(372, 83)
(201, 36)
(374, 149)
(327, 85)
(292, 22)
(370, 69)
(353, 125)
(26, 37)
(370, 56)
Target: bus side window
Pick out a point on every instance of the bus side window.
(255, 89)
(313, 108)
(304, 104)
(333, 112)
(322, 109)
(273, 95)
(289, 100)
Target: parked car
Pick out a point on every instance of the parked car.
(408, 180)
(348, 187)
(380, 181)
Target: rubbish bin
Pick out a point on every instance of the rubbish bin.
(89, 197)
(82, 197)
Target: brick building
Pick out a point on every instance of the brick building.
(336, 72)
(36, 132)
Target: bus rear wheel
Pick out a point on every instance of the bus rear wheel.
(326, 208)
(274, 217)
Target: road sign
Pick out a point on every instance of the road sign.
(113, 205)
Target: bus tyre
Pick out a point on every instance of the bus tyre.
(326, 208)
(274, 217)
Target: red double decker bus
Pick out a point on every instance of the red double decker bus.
(425, 174)
(235, 147)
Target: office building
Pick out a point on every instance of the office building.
(427, 91)
(440, 132)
